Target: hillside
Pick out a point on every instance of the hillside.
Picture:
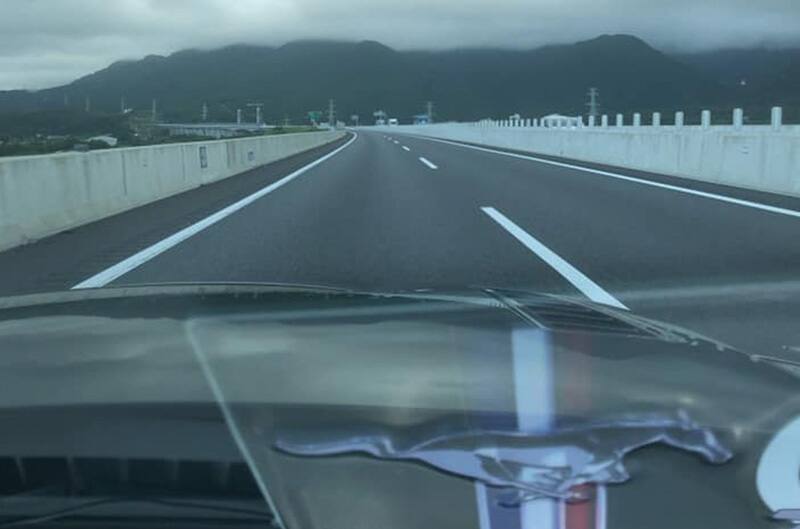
(362, 77)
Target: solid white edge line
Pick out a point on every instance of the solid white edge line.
(678, 189)
(123, 267)
(589, 288)
(428, 163)
(406, 148)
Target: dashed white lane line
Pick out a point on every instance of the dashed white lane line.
(428, 163)
(678, 189)
(123, 267)
(406, 148)
(589, 288)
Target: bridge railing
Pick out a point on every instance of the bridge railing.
(762, 157)
(655, 122)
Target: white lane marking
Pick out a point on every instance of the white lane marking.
(396, 142)
(406, 148)
(704, 194)
(428, 163)
(110, 274)
(589, 288)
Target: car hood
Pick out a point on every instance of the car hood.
(529, 396)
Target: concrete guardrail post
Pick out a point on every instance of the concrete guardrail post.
(776, 118)
(620, 120)
(656, 119)
(604, 121)
(637, 119)
(705, 119)
(738, 118)
(591, 121)
(678, 120)
(536, 122)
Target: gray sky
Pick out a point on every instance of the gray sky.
(48, 42)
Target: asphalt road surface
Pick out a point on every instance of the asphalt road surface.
(388, 212)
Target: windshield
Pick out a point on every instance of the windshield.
(368, 263)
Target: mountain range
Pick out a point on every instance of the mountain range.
(463, 84)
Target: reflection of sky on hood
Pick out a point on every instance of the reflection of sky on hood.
(45, 43)
(57, 360)
(399, 364)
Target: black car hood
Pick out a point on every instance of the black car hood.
(319, 388)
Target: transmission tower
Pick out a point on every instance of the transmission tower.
(258, 107)
(331, 114)
(594, 102)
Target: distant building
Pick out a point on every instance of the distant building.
(111, 141)
(422, 119)
(559, 121)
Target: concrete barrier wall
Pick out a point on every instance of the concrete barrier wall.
(765, 158)
(42, 195)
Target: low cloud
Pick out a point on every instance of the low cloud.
(49, 42)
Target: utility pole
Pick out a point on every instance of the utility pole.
(204, 115)
(429, 111)
(155, 110)
(594, 103)
(88, 104)
(238, 116)
(122, 104)
(331, 114)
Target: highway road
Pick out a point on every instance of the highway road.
(383, 211)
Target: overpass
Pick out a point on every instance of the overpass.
(213, 130)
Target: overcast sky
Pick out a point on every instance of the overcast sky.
(49, 42)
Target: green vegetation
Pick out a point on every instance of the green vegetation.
(130, 131)
(300, 77)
